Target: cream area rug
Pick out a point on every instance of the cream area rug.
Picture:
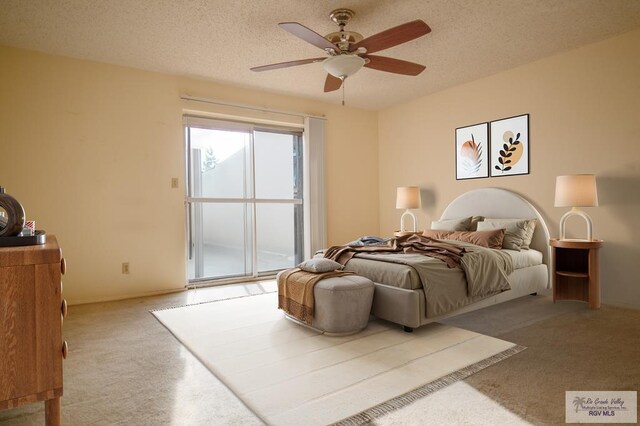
(291, 375)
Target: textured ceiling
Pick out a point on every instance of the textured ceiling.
(220, 40)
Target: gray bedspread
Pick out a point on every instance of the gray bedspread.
(484, 273)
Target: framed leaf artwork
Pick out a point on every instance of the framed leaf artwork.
(510, 146)
(472, 151)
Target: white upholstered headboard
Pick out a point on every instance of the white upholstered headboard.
(501, 203)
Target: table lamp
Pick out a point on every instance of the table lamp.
(408, 197)
(576, 191)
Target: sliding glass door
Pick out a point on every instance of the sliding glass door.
(245, 210)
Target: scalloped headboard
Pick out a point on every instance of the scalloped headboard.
(501, 203)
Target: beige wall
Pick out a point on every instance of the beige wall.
(90, 149)
(584, 108)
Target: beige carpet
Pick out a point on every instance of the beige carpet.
(288, 374)
(584, 350)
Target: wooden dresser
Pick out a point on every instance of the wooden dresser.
(31, 315)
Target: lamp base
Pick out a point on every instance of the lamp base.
(413, 216)
(576, 212)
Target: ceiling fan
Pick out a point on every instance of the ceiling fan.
(348, 51)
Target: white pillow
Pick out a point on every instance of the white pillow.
(451, 224)
(319, 264)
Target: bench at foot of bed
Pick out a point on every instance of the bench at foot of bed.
(342, 305)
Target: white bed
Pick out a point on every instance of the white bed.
(407, 306)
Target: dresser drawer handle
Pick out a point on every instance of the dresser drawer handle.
(63, 266)
(65, 349)
(64, 308)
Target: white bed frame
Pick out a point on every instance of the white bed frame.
(407, 307)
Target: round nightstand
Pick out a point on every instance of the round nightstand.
(576, 271)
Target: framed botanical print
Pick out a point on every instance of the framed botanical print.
(510, 146)
(472, 151)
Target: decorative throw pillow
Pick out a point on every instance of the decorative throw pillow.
(461, 224)
(490, 239)
(531, 227)
(518, 232)
(319, 265)
(473, 226)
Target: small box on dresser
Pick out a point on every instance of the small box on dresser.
(31, 315)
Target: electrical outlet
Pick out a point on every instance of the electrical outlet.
(174, 183)
(125, 268)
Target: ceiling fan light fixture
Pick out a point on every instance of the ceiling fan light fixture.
(342, 66)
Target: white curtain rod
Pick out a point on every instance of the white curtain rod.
(251, 107)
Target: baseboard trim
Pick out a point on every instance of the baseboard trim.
(72, 302)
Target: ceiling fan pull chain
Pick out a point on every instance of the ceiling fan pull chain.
(344, 80)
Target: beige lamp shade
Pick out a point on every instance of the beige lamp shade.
(576, 191)
(408, 197)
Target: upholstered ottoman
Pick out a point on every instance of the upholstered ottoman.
(342, 304)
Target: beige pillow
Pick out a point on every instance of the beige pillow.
(451, 224)
(518, 232)
(531, 227)
(490, 239)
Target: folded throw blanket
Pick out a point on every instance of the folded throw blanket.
(295, 291)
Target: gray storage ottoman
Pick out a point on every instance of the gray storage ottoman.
(342, 304)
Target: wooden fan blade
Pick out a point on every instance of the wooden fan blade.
(393, 36)
(286, 64)
(332, 83)
(308, 35)
(396, 66)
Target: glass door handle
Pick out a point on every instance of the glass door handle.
(189, 231)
